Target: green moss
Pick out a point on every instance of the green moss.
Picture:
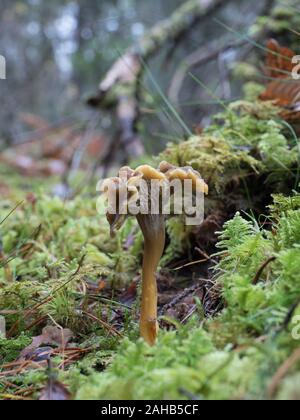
(213, 157)
(44, 246)
(244, 156)
(10, 349)
(284, 17)
(264, 305)
(225, 359)
(141, 372)
(252, 90)
(247, 138)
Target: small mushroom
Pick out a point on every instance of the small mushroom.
(127, 190)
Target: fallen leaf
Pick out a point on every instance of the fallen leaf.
(41, 354)
(55, 391)
(283, 90)
(278, 60)
(129, 296)
(51, 336)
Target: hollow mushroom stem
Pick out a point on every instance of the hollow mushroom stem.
(153, 228)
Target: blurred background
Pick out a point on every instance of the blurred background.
(57, 53)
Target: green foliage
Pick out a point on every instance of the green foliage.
(213, 157)
(290, 387)
(263, 305)
(246, 152)
(10, 349)
(234, 233)
(223, 359)
(245, 71)
(284, 17)
(252, 90)
(180, 241)
(46, 244)
(282, 204)
(249, 140)
(141, 372)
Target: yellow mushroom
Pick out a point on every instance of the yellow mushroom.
(152, 226)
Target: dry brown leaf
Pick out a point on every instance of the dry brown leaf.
(284, 90)
(55, 391)
(278, 60)
(52, 336)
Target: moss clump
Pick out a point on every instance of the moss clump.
(49, 249)
(284, 17)
(247, 138)
(213, 157)
(244, 156)
(10, 349)
(259, 300)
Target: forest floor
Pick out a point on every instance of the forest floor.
(229, 290)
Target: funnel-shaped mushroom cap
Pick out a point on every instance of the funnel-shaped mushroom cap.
(183, 174)
(150, 173)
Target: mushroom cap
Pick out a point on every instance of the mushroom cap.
(184, 173)
(150, 173)
(126, 187)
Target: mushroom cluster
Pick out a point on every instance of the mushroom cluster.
(142, 193)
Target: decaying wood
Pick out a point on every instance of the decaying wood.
(199, 57)
(119, 89)
(208, 53)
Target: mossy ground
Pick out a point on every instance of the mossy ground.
(60, 267)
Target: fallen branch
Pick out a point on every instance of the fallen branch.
(206, 54)
(178, 298)
(198, 58)
(119, 89)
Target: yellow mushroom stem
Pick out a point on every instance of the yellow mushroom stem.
(153, 228)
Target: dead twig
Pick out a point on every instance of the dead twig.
(198, 58)
(104, 324)
(120, 88)
(261, 270)
(288, 317)
(179, 297)
(282, 372)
